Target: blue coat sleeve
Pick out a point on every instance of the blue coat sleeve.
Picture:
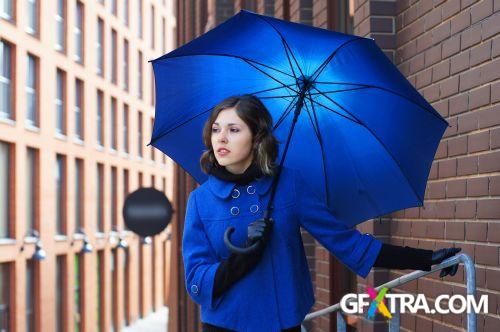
(200, 263)
(357, 251)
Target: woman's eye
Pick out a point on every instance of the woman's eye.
(234, 130)
(214, 130)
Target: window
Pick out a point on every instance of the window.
(6, 80)
(112, 123)
(140, 179)
(164, 185)
(113, 288)
(125, 288)
(79, 109)
(139, 75)
(114, 199)
(60, 293)
(139, 18)
(152, 147)
(6, 12)
(6, 173)
(126, 14)
(125, 188)
(139, 135)
(153, 181)
(60, 18)
(99, 293)
(30, 295)
(78, 293)
(79, 194)
(125, 64)
(100, 47)
(152, 87)
(100, 119)
(78, 31)
(114, 7)
(269, 8)
(100, 197)
(125, 183)
(32, 17)
(153, 273)
(153, 27)
(114, 60)
(60, 102)
(140, 273)
(125, 128)
(31, 91)
(60, 194)
(163, 34)
(5, 296)
(31, 188)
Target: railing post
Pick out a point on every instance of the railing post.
(395, 321)
(341, 323)
(470, 274)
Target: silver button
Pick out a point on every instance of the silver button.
(194, 289)
(251, 190)
(236, 193)
(254, 208)
(235, 210)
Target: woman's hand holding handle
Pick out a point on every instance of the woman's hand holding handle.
(440, 255)
(260, 229)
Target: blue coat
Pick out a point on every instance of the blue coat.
(278, 293)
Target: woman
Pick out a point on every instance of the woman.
(271, 289)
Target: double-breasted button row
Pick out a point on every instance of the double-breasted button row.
(236, 193)
(194, 289)
(236, 210)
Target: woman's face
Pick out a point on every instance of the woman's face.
(232, 141)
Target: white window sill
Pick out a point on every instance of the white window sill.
(32, 128)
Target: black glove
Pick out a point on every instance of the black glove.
(259, 230)
(440, 255)
(237, 266)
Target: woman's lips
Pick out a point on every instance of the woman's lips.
(223, 152)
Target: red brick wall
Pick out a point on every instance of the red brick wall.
(449, 51)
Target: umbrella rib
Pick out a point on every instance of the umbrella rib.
(271, 77)
(381, 143)
(342, 90)
(285, 43)
(230, 56)
(290, 63)
(320, 140)
(312, 123)
(271, 89)
(389, 91)
(272, 97)
(332, 110)
(318, 70)
(285, 113)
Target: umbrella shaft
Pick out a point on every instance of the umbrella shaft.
(298, 107)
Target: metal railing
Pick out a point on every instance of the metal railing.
(394, 323)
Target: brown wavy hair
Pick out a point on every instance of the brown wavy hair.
(253, 112)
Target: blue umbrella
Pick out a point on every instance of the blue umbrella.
(362, 134)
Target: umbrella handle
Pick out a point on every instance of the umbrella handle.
(235, 249)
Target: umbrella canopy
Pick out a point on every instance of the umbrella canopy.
(365, 138)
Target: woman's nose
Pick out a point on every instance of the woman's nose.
(222, 136)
